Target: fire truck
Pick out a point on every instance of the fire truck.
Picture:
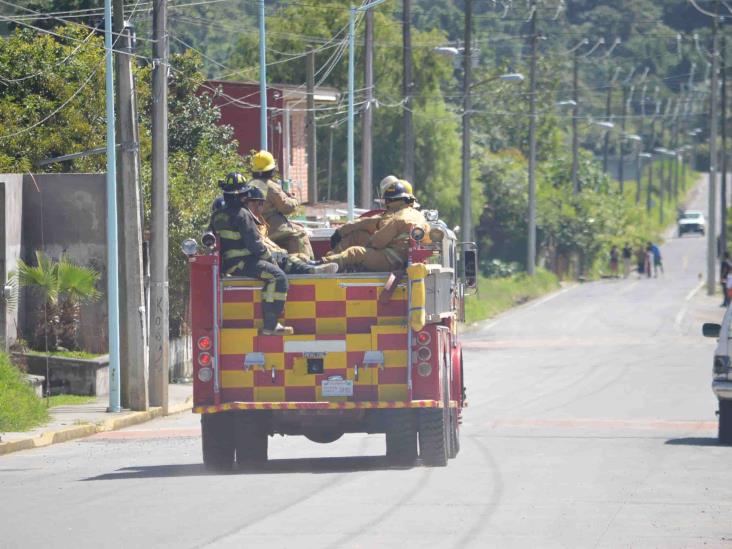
(371, 353)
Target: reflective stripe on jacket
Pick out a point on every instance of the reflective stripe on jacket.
(239, 235)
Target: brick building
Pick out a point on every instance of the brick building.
(286, 131)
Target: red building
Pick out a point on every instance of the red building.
(287, 109)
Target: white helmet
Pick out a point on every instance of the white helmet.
(388, 180)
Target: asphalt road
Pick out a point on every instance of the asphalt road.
(591, 424)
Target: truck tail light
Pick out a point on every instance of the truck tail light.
(205, 374)
(424, 338)
(424, 369)
(204, 343)
(204, 359)
(424, 354)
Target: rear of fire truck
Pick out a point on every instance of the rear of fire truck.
(371, 353)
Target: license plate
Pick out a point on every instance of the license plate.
(337, 387)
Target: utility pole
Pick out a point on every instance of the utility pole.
(638, 173)
(159, 336)
(330, 161)
(575, 117)
(262, 78)
(408, 86)
(466, 194)
(531, 252)
(621, 167)
(367, 198)
(661, 194)
(133, 320)
(723, 199)
(311, 130)
(712, 213)
(649, 188)
(608, 115)
(112, 252)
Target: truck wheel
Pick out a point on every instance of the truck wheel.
(454, 433)
(401, 438)
(217, 438)
(433, 436)
(251, 438)
(725, 421)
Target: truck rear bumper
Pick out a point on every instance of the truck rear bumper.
(227, 406)
(723, 389)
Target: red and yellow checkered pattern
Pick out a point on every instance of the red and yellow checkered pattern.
(318, 309)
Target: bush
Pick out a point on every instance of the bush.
(20, 408)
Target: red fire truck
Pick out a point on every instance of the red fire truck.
(371, 353)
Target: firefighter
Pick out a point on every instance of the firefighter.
(359, 231)
(245, 253)
(388, 247)
(279, 204)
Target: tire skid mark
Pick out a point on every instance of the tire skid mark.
(269, 513)
(496, 488)
(419, 485)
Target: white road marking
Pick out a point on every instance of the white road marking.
(682, 312)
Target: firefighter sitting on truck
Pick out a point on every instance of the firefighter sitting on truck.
(359, 231)
(388, 247)
(279, 204)
(245, 253)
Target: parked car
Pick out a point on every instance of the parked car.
(691, 222)
(722, 373)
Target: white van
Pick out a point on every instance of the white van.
(722, 373)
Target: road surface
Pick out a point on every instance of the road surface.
(591, 424)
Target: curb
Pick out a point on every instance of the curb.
(88, 429)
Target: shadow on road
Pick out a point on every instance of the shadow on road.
(694, 441)
(276, 466)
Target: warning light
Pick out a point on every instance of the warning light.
(204, 343)
(424, 338)
(204, 359)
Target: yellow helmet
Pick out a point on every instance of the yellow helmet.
(263, 161)
(407, 186)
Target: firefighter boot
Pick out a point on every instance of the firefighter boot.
(272, 327)
(325, 268)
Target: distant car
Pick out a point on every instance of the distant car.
(691, 222)
(722, 373)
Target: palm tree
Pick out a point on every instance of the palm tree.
(61, 286)
(77, 285)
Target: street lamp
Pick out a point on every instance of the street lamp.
(465, 190)
(648, 156)
(638, 166)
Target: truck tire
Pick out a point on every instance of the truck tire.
(401, 438)
(433, 436)
(217, 441)
(725, 421)
(251, 438)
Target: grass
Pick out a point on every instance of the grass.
(496, 295)
(20, 408)
(69, 400)
(65, 354)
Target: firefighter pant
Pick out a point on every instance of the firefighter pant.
(356, 238)
(369, 258)
(293, 238)
(274, 292)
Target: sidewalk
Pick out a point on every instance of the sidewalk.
(70, 422)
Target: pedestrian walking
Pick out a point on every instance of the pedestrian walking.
(614, 256)
(657, 260)
(725, 270)
(627, 256)
(649, 261)
(640, 259)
